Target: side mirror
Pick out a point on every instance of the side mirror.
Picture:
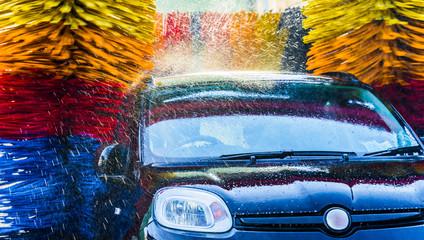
(114, 164)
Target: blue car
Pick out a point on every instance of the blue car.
(254, 155)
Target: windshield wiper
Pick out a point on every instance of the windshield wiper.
(283, 154)
(396, 151)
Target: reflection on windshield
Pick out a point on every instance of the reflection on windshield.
(214, 136)
(214, 120)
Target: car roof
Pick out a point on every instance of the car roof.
(241, 76)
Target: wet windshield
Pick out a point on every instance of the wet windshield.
(210, 120)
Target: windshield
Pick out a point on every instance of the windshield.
(203, 121)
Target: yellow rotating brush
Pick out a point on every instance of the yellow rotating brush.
(378, 40)
(89, 39)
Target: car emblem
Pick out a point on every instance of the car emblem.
(337, 219)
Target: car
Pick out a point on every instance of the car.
(263, 155)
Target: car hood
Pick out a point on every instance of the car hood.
(382, 185)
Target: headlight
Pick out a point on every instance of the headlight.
(191, 209)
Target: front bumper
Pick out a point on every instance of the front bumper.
(157, 232)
